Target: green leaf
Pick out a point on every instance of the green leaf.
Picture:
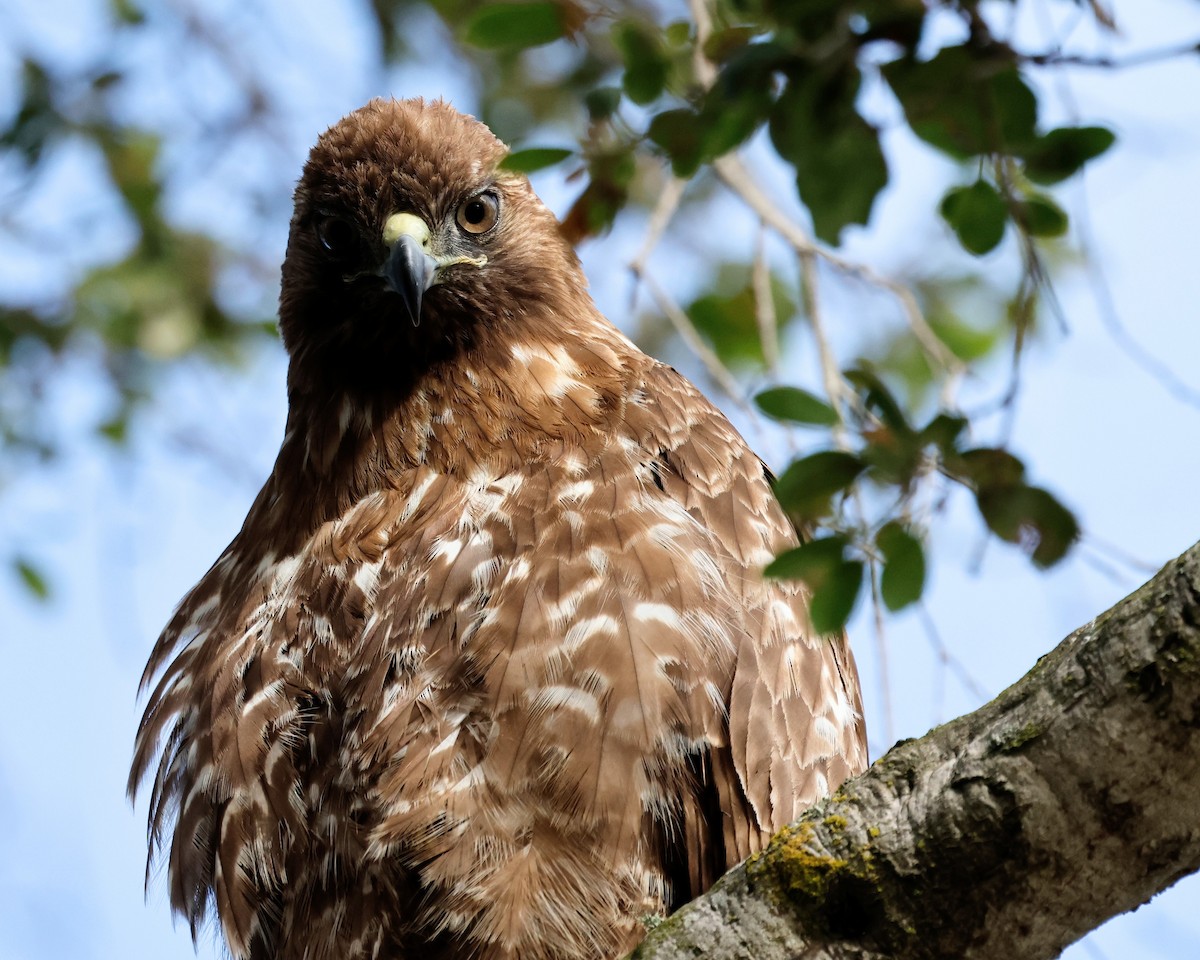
(1058, 154)
(116, 428)
(38, 121)
(678, 33)
(807, 487)
(602, 103)
(534, 158)
(834, 581)
(989, 467)
(1031, 517)
(730, 117)
(728, 315)
(878, 399)
(32, 578)
(514, 25)
(943, 431)
(811, 562)
(893, 450)
(839, 163)
(1014, 104)
(814, 21)
(977, 214)
(796, 405)
(734, 107)
(645, 61)
(1042, 217)
(966, 341)
(900, 21)
(833, 602)
(678, 132)
(740, 99)
(107, 80)
(965, 101)
(721, 44)
(903, 579)
(602, 199)
(132, 160)
(127, 12)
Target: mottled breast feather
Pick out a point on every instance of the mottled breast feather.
(491, 670)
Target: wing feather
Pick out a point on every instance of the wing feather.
(568, 667)
(794, 723)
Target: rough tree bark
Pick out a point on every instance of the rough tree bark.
(1010, 832)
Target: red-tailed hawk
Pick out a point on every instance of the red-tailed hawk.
(491, 670)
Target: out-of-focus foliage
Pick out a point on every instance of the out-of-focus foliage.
(623, 96)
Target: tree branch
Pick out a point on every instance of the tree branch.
(688, 333)
(733, 174)
(1010, 832)
(1060, 58)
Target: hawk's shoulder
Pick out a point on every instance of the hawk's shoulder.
(795, 711)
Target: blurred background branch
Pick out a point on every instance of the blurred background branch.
(145, 281)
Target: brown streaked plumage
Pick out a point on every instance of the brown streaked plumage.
(490, 671)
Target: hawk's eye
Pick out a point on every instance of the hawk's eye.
(338, 237)
(480, 213)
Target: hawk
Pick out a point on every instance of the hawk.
(491, 670)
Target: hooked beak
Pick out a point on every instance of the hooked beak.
(410, 269)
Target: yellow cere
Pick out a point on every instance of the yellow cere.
(399, 224)
(402, 224)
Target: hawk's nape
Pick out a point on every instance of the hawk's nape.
(491, 670)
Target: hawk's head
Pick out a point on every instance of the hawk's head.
(408, 245)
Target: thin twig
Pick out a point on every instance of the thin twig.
(706, 73)
(660, 218)
(881, 652)
(1110, 317)
(831, 374)
(1102, 293)
(764, 306)
(1102, 566)
(1119, 554)
(1045, 20)
(664, 210)
(929, 341)
(735, 176)
(944, 656)
(687, 331)
(1057, 58)
(1103, 16)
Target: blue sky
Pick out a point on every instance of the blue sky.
(125, 537)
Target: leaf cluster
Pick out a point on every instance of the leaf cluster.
(894, 457)
(642, 91)
(798, 70)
